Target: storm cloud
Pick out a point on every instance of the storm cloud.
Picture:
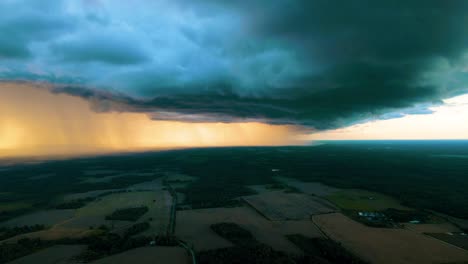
(317, 63)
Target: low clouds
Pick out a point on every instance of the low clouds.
(317, 63)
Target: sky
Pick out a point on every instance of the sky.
(446, 121)
(48, 124)
(327, 69)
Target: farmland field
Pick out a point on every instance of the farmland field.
(432, 228)
(60, 254)
(361, 200)
(85, 195)
(278, 205)
(11, 206)
(382, 245)
(193, 226)
(47, 218)
(285, 184)
(55, 233)
(458, 239)
(148, 255)
(313, 188)
(94, 213)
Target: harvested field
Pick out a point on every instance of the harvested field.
(47, 218)
(99, 172)
(12, 206)
(314, 188)
(154, 185)
(60, 254)
(432, 228)
(109, 203)
(108, 176)
(84, 222)
(95, 212)
(90, 194)
(462, 223)
(160, 213)
(278, 205)
(193, 226)
(380, 245)
(144, 186)
(457, 239)
(177, 180)
(54, 233)
(259, 188)
(361, 200)
(78, 223)
(177, 177)
(104, 179)
(148, 255)
(304, 227)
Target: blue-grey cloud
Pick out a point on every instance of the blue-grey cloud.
(105, 49)
(318, 63)
(29, 27)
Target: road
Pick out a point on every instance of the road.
(172, 223)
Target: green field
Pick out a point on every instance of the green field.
(13, 206)
(110, 203)
(361, 200)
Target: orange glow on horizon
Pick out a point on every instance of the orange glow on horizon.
(36, 122)
(448, 121)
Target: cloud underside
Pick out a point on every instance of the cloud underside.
(323, 64)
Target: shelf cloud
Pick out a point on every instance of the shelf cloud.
(48, 124)
(315, 63)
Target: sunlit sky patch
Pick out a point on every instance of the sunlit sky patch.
(447, 121)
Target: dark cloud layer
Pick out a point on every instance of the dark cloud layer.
(19, 33)
(318, 63)
(101, 49)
